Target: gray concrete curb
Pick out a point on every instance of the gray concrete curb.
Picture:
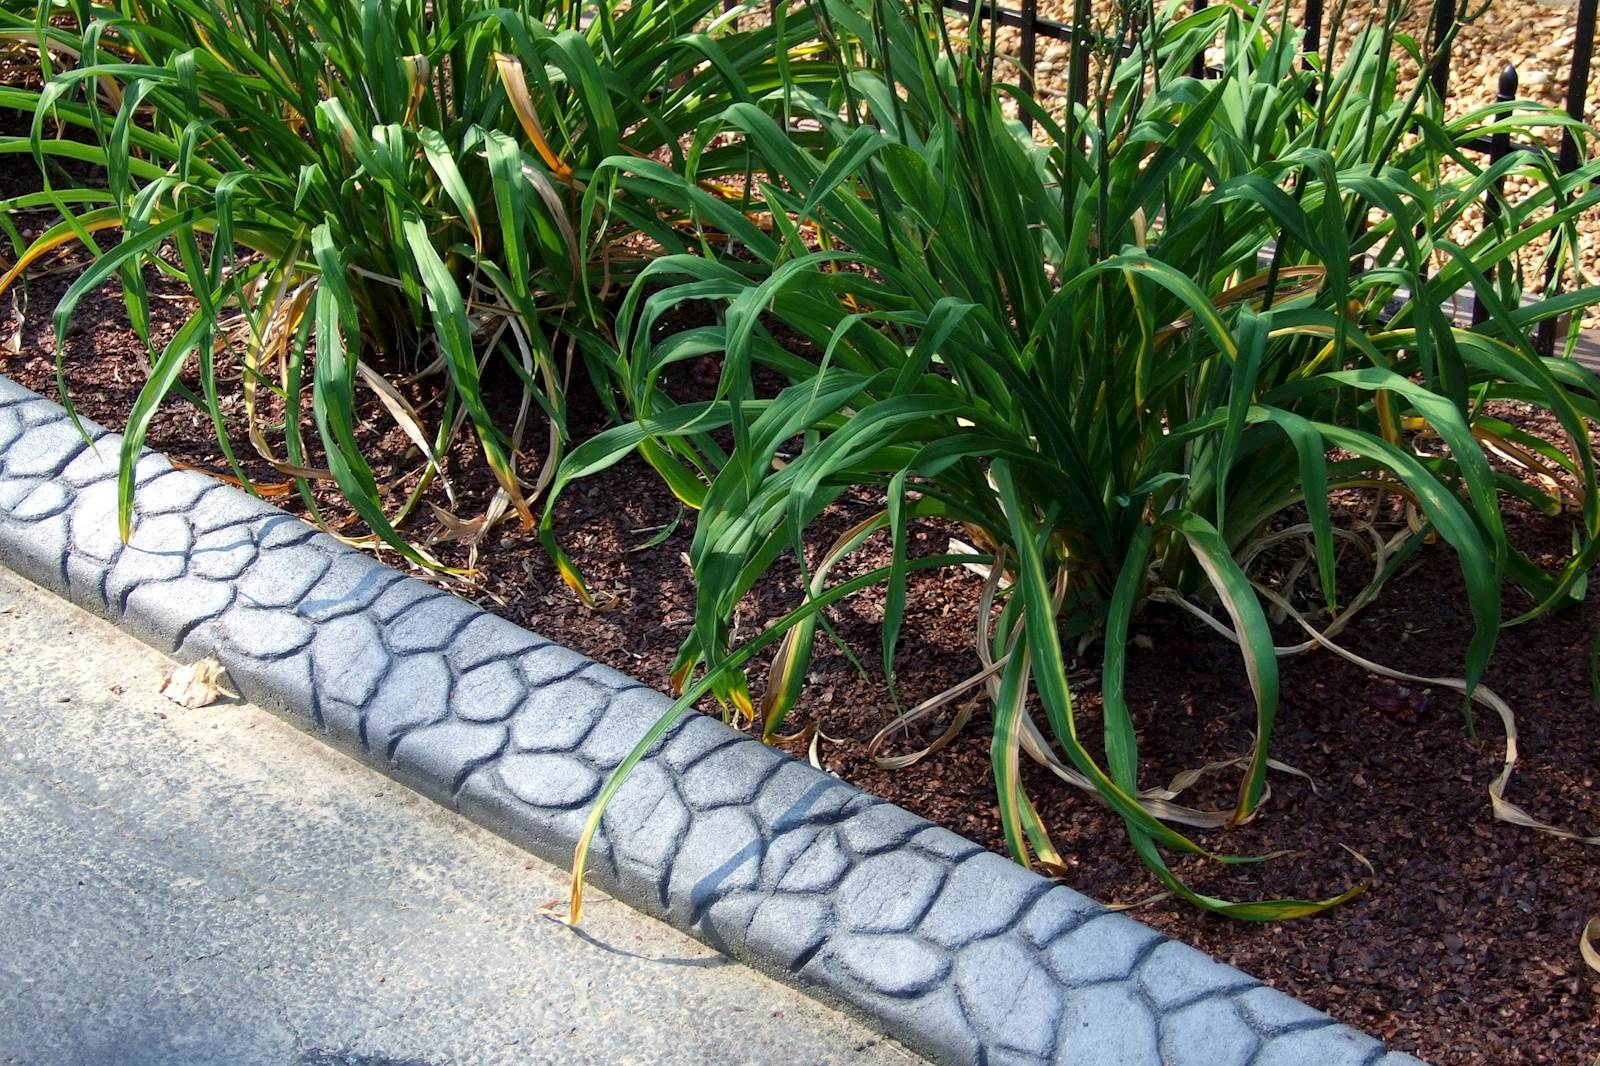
(957, 952)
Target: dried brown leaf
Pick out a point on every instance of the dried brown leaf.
(197, 684)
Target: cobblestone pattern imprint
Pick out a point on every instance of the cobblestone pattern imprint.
(958, 952)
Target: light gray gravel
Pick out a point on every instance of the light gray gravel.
(211, 886)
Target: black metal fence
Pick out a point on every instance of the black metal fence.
(1032, 27)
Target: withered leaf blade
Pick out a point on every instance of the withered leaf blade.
(12, 344)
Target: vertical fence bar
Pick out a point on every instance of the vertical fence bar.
(1578, 83)
(1197, 68)
(1030, 53)
(1499, 148)
(1444, 16)
(1577, 98)
(1311, 43)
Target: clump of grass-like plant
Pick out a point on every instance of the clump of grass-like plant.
(359, 190)
(1127, 352)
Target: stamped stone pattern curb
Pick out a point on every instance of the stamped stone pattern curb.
(957, 952)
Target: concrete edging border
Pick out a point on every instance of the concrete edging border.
(957, 952)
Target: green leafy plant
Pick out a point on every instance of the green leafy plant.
(405, 183)
(1128, 352)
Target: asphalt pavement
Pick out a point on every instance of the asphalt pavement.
(212, 886)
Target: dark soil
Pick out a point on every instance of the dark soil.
(1463, 951)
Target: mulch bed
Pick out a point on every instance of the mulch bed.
(1463, 951)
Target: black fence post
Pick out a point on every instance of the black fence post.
(1311, 44)
(1313, 37)
(1577, 97)
(1499, 148)
(1197, 66)
(1030, 52)
(1444, 17)
(1578, 83)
